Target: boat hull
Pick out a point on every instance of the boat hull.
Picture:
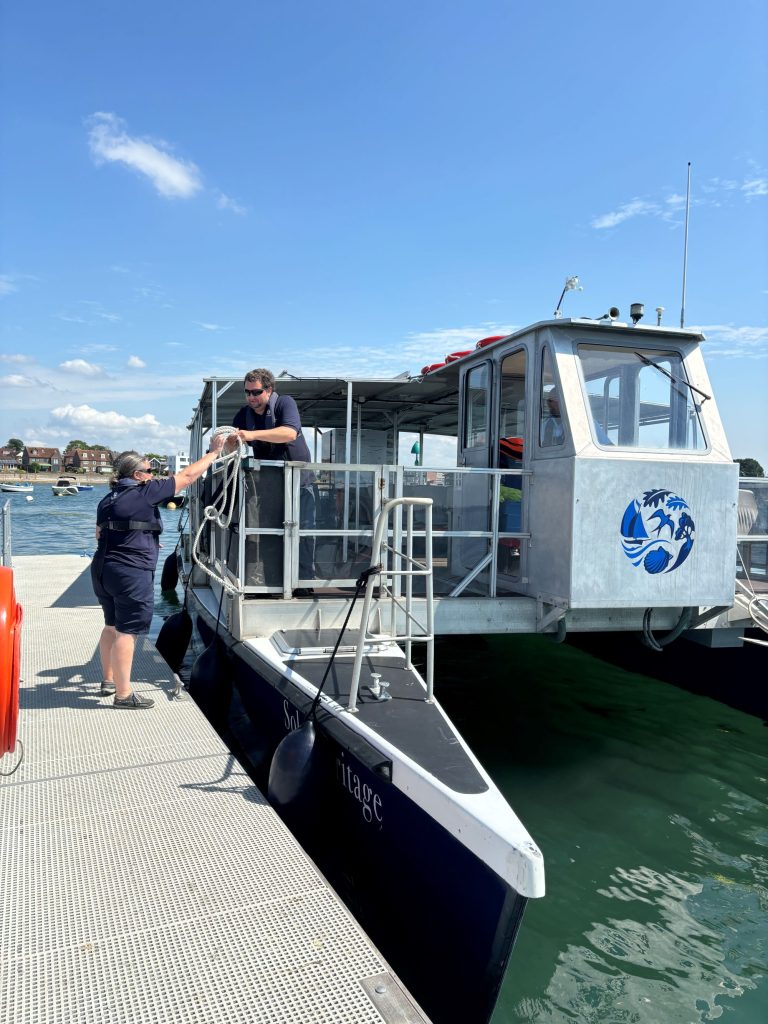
(444, 920)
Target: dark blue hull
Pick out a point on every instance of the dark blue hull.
(443, 919)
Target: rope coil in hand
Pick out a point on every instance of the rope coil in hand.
(217, 512)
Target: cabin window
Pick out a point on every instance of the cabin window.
(512, 402)
(639, 398)
(476, 429)
(551, 428)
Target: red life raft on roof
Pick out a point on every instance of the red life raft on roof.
(512, 447)
(489, 341)
(457, 355)
(429, 369)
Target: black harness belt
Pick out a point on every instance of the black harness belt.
(130, 524)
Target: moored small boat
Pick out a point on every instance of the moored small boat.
(16, 488)
(64, 485)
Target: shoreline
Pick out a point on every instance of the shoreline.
(43, 479)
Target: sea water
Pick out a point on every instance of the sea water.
(649, 802)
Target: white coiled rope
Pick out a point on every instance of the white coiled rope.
(217, 512)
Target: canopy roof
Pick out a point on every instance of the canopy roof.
(428, 403)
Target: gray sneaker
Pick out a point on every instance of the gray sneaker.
(133, 700)
(107, 688)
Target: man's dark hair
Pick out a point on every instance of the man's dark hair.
(267, 379)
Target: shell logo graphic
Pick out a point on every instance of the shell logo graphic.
(657, 531)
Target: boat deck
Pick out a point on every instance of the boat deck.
(145, 876)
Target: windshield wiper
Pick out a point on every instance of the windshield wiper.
(672, 377)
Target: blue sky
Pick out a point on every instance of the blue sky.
(191, 188)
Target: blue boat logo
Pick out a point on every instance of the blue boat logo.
(657, 531)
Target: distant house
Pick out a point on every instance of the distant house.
(177, 462)
(9, 459)
(49, 459)
(88, 460)
(158, 465)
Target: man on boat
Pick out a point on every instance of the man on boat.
(271, 424)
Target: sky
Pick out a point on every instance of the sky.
(189, 189)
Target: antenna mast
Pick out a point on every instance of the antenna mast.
(685, 246)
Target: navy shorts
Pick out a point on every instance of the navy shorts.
(126, 595)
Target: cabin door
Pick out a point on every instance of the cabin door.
(512, 443)
(470, 509)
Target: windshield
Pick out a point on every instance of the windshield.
(640, 398)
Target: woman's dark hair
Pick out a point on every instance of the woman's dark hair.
(125, 465)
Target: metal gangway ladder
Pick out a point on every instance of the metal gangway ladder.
(396, 562)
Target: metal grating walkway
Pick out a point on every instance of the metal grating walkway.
(145, 878)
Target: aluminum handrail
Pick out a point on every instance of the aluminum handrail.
(400, 557)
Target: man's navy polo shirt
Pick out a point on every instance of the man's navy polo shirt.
(138, 549)
(282, 411)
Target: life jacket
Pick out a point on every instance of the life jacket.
(111, 519)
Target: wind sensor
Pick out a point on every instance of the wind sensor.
(571, 285)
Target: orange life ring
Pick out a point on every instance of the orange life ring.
(11, 615)
(489, 341)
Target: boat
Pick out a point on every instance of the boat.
(65, 485)
(623, 518)
(84, 487)
(17, 488)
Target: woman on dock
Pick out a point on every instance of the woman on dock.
(123, 569)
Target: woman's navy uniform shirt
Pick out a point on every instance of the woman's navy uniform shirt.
(136, 502)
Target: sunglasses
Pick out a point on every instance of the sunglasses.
(255, 391)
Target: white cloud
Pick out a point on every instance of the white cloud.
(71, 319)
(728, 340)
(408, 355)
(211, 327)
(7, 285)
(135, 363)
(711, 192)
(227, 203)
(86, 349)
(14, 358)
(635, 208)
(438, 343)
(755, 187)
(81, 367)
(109, 142)
(141, 432)
(18, 380)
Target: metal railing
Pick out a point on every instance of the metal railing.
(752, 520)
(475, 537)
(398, 562)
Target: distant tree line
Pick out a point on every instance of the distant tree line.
(749, 467)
